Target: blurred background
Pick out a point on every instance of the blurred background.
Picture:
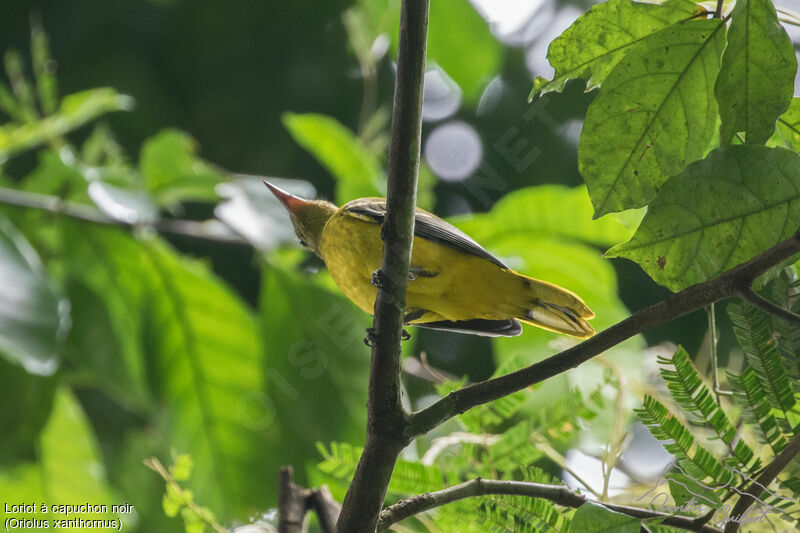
(208, 98)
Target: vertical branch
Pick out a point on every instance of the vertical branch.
(386, 418)
(291, 503)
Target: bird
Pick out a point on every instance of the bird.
(454, 284)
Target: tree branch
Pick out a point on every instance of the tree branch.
(757, 487)
(54, 204)
(749, 295)
(291, 503)
(386, 418)
(688, 300)
(557, 494)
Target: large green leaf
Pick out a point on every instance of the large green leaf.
(173, 172)
(34, 318)
(75, 110)
(599, 39)
(69, 470)
(756, 80)
(204, 361)
(194, 346)
(552, 211)
(632, 139)
(720, 212)
(315, 362)
(358, 173)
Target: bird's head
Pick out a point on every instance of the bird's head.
(308, 216)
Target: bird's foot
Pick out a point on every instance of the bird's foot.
(404, 335)
(377, 279)
(369, 340)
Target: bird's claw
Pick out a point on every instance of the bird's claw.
(404, 335)
(369, 340)
(377, 279)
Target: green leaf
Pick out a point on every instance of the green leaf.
(34, 318)
(685, 489)
(756, 80)
(205, 362)
(600, 38)
(594, 518)
(756, 410)
(173, 172)
(32, 398)
(460, 42)
(689, 391)
(551, 210)
(696, 460)
(631, 141)
(75, 110)
(789, 125)
(718, 213)
(313, 338)
(181, 470)
(69, 470)
(753, 332)
(198, 349)
(358, 173)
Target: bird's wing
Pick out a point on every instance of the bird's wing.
(426, 226)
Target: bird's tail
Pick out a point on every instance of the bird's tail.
(552, 308)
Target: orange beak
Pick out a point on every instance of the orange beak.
(292, 203)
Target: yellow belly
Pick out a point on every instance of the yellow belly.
(465, 287)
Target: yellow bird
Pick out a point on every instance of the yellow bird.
(454, 284)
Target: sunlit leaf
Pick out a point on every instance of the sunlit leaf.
(173, 172)
(358, 173)
(460, 42)
(631, 141)
(75, 110)
(551, 210)
(756, 80)
(718, 213)
(69, 469)
(598, 40)
(594, 518)
(33, 315)
(789, 125)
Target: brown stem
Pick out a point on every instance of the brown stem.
(688, 300)
(291, 503)
(751, 296)
(558, 494)
(386, 418)
(757, 488)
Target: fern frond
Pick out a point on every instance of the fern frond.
(688, 390)
(752, 330)
(756, 410)
(522, 514)
(514, 449)
(693, 458)
(784, 293)
(409, 477)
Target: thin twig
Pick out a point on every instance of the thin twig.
(386, 418)
(155, 465)
(749, 295)
(682, 303)
(557, 494)
(78, 211)
(718, 11)
(757, 487)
